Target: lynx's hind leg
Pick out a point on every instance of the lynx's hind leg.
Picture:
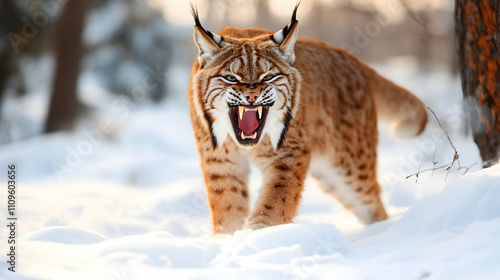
(357, 190)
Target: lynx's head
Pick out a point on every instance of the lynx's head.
(244, 84)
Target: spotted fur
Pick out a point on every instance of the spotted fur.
(321, 117)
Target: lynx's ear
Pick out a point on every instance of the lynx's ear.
(208, 43)
(286, 37)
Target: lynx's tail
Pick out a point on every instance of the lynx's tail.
(398, 107)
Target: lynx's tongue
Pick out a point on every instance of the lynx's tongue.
(248, 119)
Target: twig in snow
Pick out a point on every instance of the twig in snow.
(449, 166)
(467, 167)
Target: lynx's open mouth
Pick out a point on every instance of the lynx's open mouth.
(248, 122)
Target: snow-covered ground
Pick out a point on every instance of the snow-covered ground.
(126, 200)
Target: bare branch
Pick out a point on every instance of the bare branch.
(434, 162)
(467, 167)
(455, 156)
(414, 16)
(425, 170)
(448, 166)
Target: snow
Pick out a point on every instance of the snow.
(131, 204)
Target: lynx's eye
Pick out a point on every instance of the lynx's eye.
(230, 78)
(268, 77)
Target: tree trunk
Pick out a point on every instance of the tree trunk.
(68, 51)
(478, 42)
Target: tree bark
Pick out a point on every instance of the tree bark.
(68, 51)
(478, 42)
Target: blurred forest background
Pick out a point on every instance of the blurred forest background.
(139, 52)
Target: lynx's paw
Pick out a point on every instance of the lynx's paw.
(255, 226)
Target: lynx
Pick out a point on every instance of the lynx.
(292, 105)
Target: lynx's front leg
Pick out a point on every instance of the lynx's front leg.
(284, 173)
(226, 175)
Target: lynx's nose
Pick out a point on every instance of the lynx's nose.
(251, 96)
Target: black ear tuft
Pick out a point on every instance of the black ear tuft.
(280, 36)
(216, 38)
(294, 14)
(194, 12)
